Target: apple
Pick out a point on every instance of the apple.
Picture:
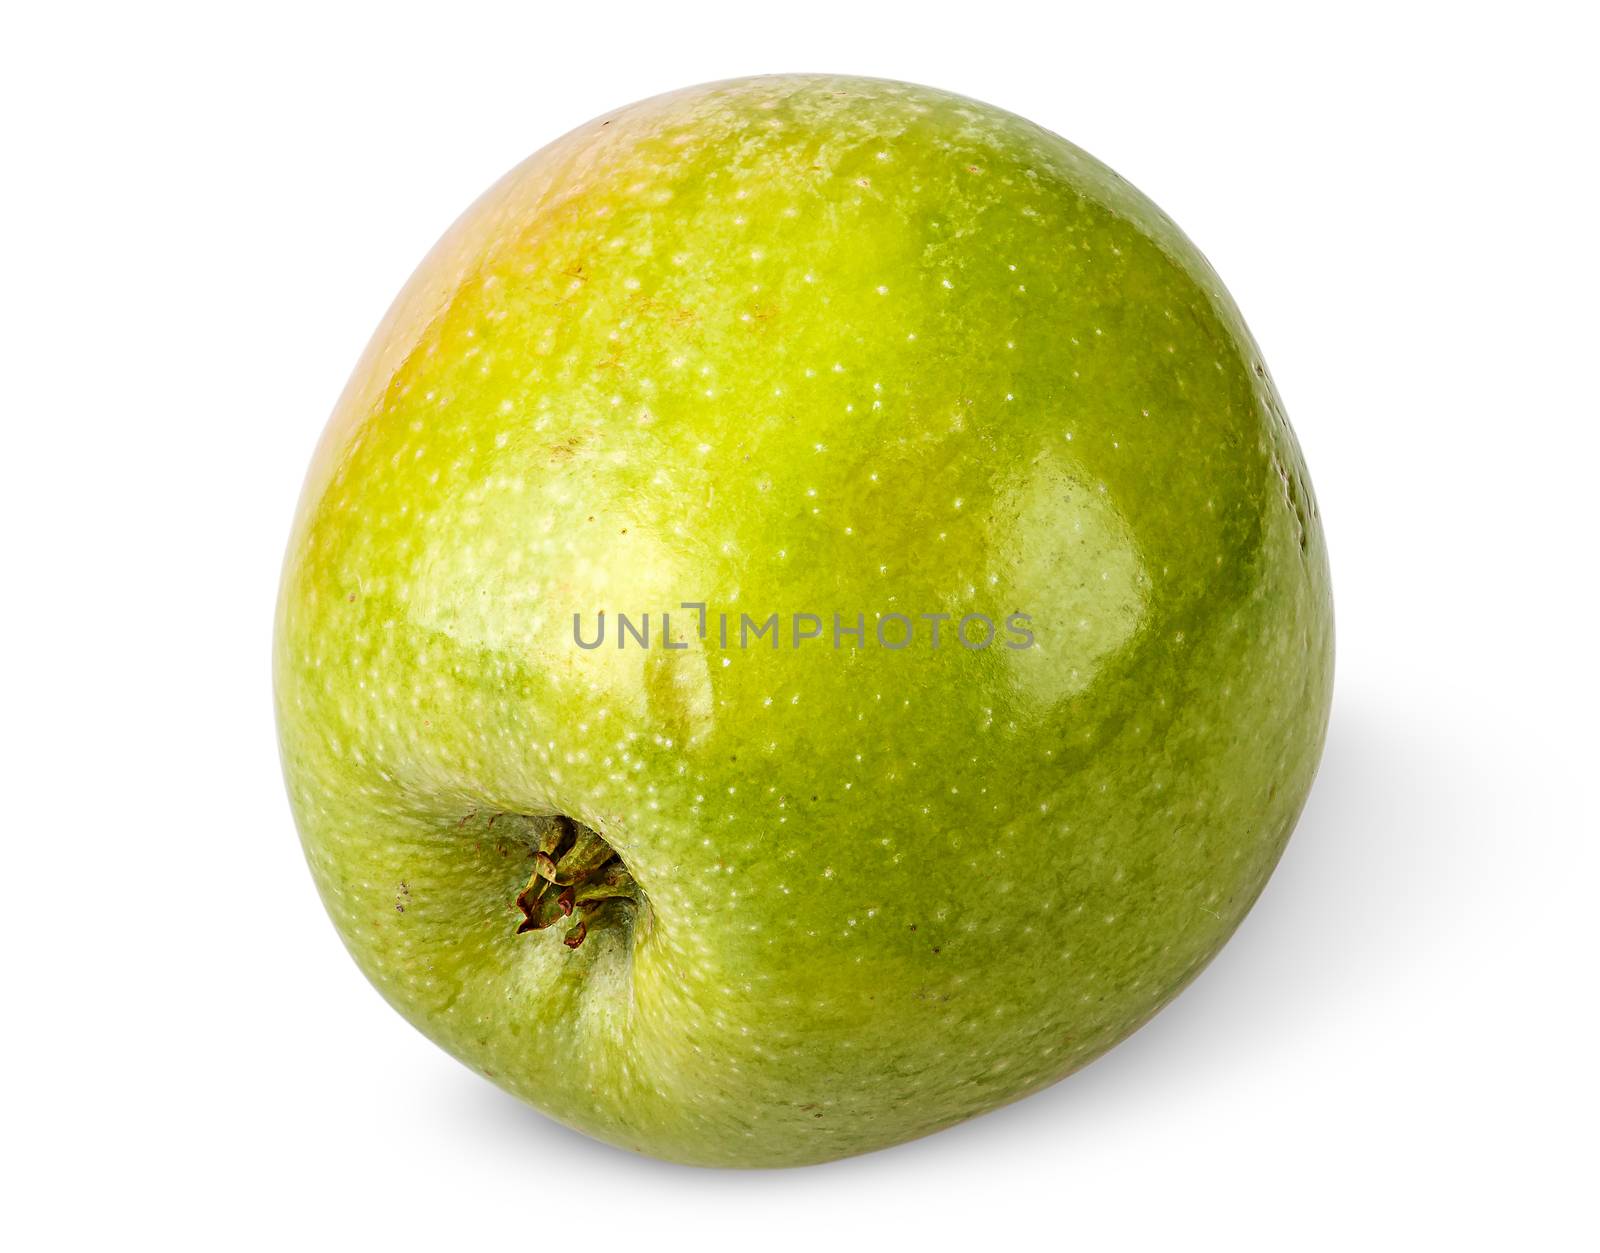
(807, 624)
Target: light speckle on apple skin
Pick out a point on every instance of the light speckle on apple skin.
(749, 344)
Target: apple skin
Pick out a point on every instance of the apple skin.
(803, 344)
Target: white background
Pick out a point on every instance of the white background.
(207, 210)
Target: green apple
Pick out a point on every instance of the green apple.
(988, 616)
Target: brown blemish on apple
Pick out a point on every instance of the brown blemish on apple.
(566, 448)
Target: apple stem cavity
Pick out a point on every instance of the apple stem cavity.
(592, 881)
